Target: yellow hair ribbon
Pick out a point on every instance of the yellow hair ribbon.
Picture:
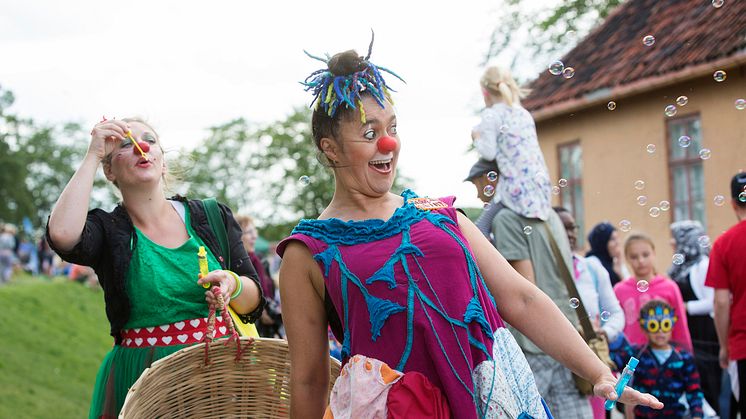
(362, 110)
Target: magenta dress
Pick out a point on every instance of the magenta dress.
(407, 291)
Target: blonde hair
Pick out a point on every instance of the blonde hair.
(498, 81)
(244, 220)
(637, 237)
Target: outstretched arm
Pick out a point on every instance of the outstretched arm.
(302, 294)
(534, 314)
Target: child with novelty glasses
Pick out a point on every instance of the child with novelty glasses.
(665, 370)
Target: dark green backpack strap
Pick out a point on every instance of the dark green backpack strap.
(215, 219)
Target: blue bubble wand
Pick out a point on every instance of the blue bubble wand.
(627, 373)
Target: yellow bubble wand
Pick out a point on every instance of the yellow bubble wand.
(203, 268)
(132, 139)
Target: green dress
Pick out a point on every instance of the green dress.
(162, 288)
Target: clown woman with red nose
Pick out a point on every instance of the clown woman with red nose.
(409, 286)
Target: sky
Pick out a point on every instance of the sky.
(186, 66)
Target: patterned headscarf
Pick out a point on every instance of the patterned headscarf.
(332, 91)
(687, 234)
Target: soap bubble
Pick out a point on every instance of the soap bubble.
(304, 180)
(740, 104)
(719, 76)
(556, 68)
(703, 241)
(568, 72)
(604, 316)
(555, 190)
(670, 110)
(642, 200)
(489, 190)
(492, 176)
(562, 183)
(664, 205)
(642, 285)
(625, 225)
(677, 259)
(574, 302)
(685, 141)
(705, 153)
(654, 212)
(719, 200)
(527, 230)
(650, 148)
(648, 40)
(718, 3)
(639, 185)
(611, 105)
(682, 100)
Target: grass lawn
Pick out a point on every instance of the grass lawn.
(54, 336)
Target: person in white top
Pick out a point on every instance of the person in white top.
(507, 134)
(599, 300)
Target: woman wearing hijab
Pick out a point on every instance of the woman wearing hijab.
(689, 241)
(606, 248)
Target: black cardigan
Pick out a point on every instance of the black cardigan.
(107, 242)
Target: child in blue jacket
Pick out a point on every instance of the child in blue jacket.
(665, 371)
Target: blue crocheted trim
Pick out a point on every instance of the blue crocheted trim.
(334, 231)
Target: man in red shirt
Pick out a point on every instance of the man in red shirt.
(727, 274)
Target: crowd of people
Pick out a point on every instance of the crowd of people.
(19, 252)
(665, 319)
(431, 314)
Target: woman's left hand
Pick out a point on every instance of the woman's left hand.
(605, 388)
(222, 279)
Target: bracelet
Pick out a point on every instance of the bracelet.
(239, 285)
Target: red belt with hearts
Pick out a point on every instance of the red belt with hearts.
(180, 333)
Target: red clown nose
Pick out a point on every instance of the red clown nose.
(386, 145)
(143, 145)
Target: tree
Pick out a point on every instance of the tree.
(532, 34)
(37, 161)
(271, 171)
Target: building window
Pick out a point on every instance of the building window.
(571, 196)
(685, 169)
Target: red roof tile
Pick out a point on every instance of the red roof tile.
(687, 33)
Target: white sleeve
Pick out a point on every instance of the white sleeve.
(705, 295)
(486, 144)
(607, 299)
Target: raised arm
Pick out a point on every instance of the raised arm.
(534, 314)
(302, 295)
(68, 217)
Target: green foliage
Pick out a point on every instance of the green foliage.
(54, 338)
(37, 161)
(529, 32)
(257, 169)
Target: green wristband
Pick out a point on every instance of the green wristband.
(239, 285)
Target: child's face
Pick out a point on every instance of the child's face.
(659, 339)
(641, 257)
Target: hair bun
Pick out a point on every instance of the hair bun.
(346, 63)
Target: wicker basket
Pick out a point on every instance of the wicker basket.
(180, 385)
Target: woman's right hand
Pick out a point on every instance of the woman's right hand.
(104, 136)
